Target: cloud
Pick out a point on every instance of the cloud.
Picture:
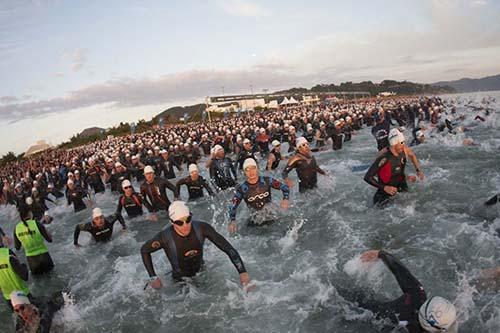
(8, 99)
(243, 8)
(127, 92)
(77, 59)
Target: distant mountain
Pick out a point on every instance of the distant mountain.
(173, 114)
(398, 87)
(470, 85)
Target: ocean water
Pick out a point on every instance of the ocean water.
(439, 229)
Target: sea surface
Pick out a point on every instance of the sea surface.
(439, 229)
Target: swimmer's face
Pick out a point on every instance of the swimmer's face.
(399, 147)
(304, 148)
(194, 175)
(150, 176)
(421, 139)
(251, 172)
(128, 190)
(220, 153)
(185, 229)
(99, 221)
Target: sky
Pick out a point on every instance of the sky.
(69, 65)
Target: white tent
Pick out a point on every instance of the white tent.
(285, 101)
(292, 101)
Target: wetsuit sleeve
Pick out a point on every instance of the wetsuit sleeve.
(17, 242)
(117, 217)
(370, 176)
(145, 202)
(152, 245)
(169, 185)
(119, 207)
(289, 167)
(224, 246)
(44, 232)
(178, 187)
(232, 165)
(237, 197)
(277, 185)
(48, 199)
(78, 228)
(320, 171)
(18, 267)
(407, 282)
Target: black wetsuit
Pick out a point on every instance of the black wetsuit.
(401, 310)
(347, 133)
(75, 197)
(387, 170)
(191, 157)
(307, 171)
(94, 179)
(206, 146)
(167, 167)
(185, 254)
(381, 132)
(243, 155)
(277, 160)
(337, 139)
(99, 234)
(220, 173)
(155, 194)
(256, 195)
(116, 179)
(132, 205)
(493, 200)
(56, 193)
(47, 307)
(195, 187)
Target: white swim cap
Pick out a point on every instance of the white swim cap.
(419, 134)
(249, 162)
(217, 148)
(126, 183)
(395, 137)
(437, 314)
(18, 298)
(149, 169)
(96, 212)
(276, 143)
(301, 141)
(192, 168)
(178, 210)
(29, 201)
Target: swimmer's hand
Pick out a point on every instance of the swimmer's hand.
(289, 182)
(391, 190)
(232, 227)
(153, 218)
(370, 256)
(156, 283)
(412, 178)
(7, 241)
(285, 204)
(245, 282)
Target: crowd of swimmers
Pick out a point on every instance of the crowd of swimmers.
(248, 147)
